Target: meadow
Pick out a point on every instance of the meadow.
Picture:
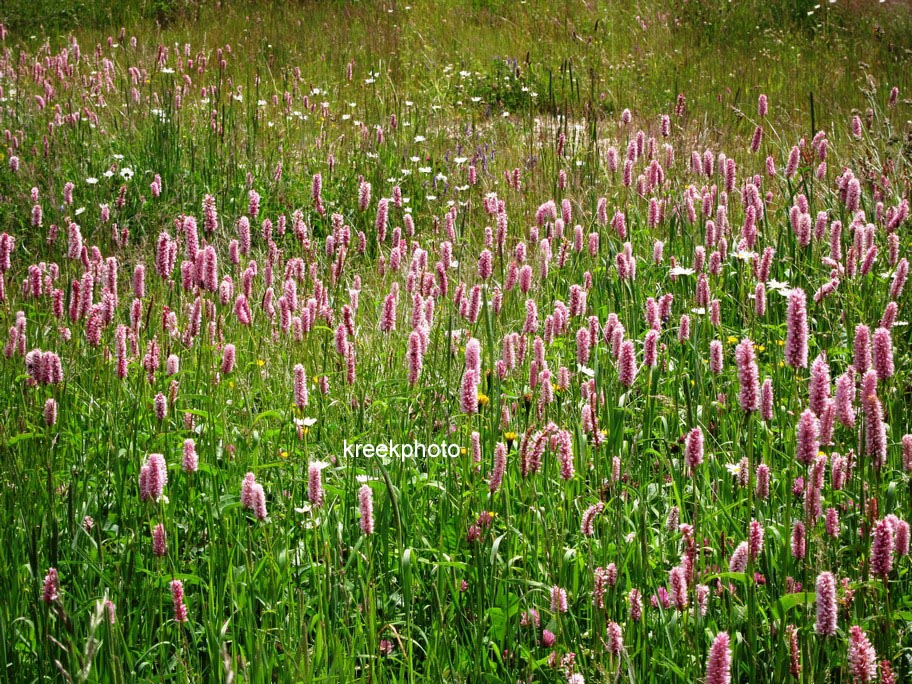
(467, 341)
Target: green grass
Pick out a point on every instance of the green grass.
(441, 591)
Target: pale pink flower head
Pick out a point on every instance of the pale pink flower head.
(615, 639)
(316, 187)
(74, 241)
(889, 315)
(862, 657)
(159, 540)
(832, 522)
(757, 139)
(882, 356)
(791, 633)
(635, 602)
(364, 195)
(887, 676)
(51, 588)
(473, 355)
(875, 427)
(565, 454)
(485, 264)
(693, 449)
(627, 370)
(500, 465)
(587, 525)
(882, 548)
(228, 359)
(247, 494)
(139, 281)
(684, 329)
(715, 357)
(50, 412)
(191, 460)
(862, 349)
(177, 598)
(677, 581)
(819, 384)
(826, 604)
(366, 505)
(650, 348)
(808, 444)
(856, 127)
(755, 540)
(259, 501)
(558, 600)
(414, 355)
(243, 227)
(799, 543)
(718, 662)
(314, 485)
(845, 397)
(748, 376)
(739, 557)
(796, 342)
(300, 386)
(853, 195)
(901, 537)
(763, 481)
(766, 400)
(583, 343)
(469, 392)
(791, 167)
(153, 476)
(899, 279)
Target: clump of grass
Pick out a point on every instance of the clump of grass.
(288, 248)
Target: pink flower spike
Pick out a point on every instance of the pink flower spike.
(718, 663)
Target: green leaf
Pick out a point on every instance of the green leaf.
(736, 576)
(497, 618)
(789, 601)
(21, 437)
(267, 414)
(495, 548)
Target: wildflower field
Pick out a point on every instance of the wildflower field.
(468, 341)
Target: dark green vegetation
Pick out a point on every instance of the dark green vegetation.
(461, 575)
